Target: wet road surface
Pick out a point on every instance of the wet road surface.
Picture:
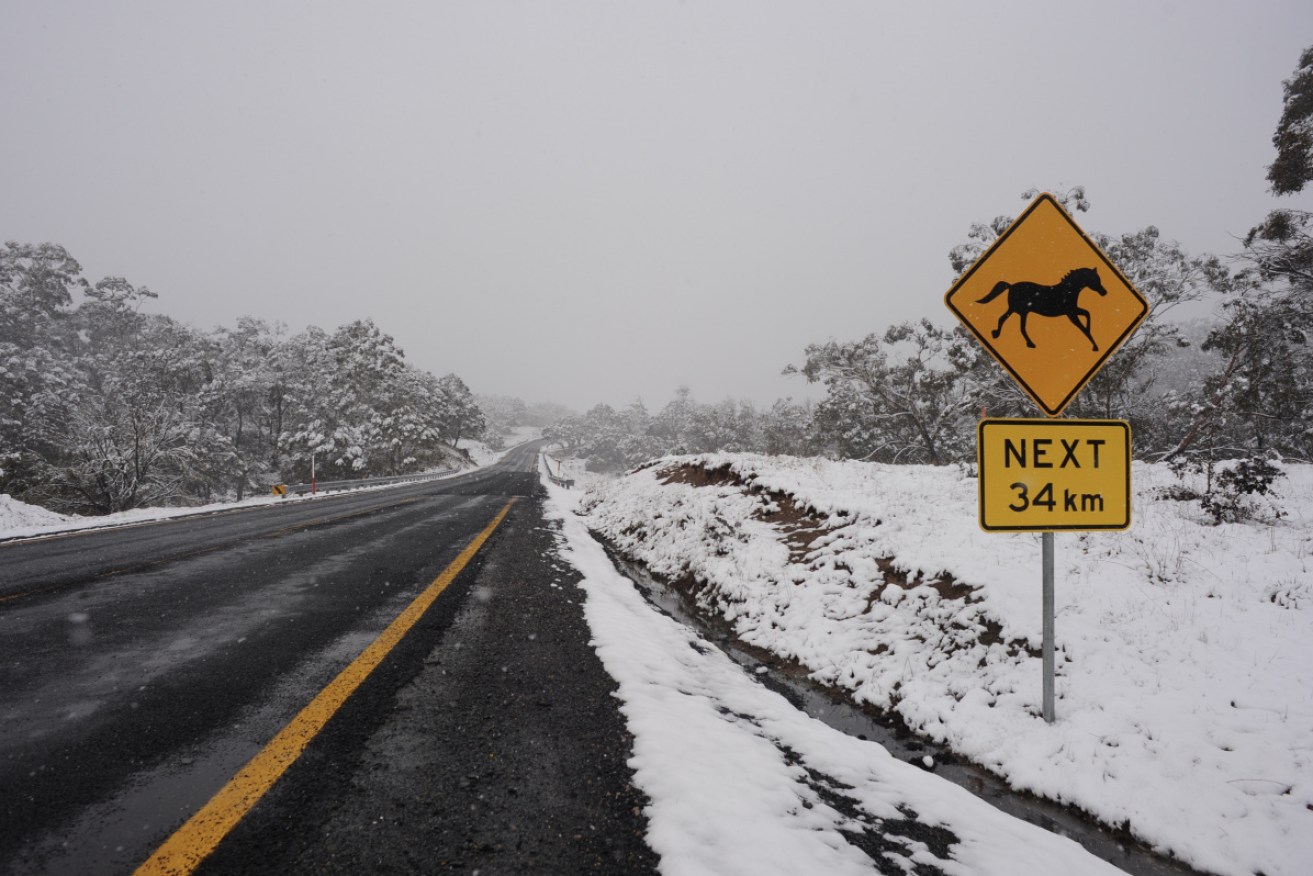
(140, 669)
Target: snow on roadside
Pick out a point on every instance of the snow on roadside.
(18, 517)
(741, 782)
(571, 468)
(1185, 676)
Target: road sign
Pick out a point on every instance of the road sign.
(1047, 304)
(280, 489)
(1047, 475)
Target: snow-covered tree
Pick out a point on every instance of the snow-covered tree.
(356, 404)
(1293, 168)
(504, 413)
(305, 369)
(1130, 384)
(240, 401)
(135, 438)
(1260, 397)
(614, 440)
(787, 428)
(901, 396)
(461, 416)
(38, 383)
(673, 423)
(104, 407)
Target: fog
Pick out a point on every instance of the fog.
(586, 202)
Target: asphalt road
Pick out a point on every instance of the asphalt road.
(142, 668)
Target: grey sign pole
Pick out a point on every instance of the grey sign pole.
(1047, 548)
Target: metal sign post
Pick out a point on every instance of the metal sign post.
(1050, 475)
(1046, 550)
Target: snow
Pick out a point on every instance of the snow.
(1185, 650)
(18, 517)
(741, 782)
(572, 469)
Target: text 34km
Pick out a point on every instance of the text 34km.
(1047, 475)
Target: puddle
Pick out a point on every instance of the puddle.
(827, 706)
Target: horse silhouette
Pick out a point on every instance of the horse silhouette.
(1060, 300)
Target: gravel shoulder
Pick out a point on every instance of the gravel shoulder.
(502, 750)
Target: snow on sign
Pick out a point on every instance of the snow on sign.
(1047, 304)
(1047, 475)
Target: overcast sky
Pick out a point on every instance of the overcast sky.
(589, 202)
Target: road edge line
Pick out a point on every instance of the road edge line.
(192, 843)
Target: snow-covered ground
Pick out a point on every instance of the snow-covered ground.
(22, 520)
(741, 782)
(19, 517)
(1185, 661)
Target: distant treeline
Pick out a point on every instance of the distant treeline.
(105, 408)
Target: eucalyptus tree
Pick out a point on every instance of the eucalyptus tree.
(1264, 393)
(38, 381)
(904, 395)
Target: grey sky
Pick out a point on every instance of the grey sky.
(590, 202)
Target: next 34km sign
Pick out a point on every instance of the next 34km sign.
(1047, 303)
(1054, 475)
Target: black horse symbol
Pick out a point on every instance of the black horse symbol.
(1059, 300)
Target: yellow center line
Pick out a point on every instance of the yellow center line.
(184, 851)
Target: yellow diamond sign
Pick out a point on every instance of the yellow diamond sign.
(1047, 304)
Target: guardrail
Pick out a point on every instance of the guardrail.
(330, 486)
(559, 481)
